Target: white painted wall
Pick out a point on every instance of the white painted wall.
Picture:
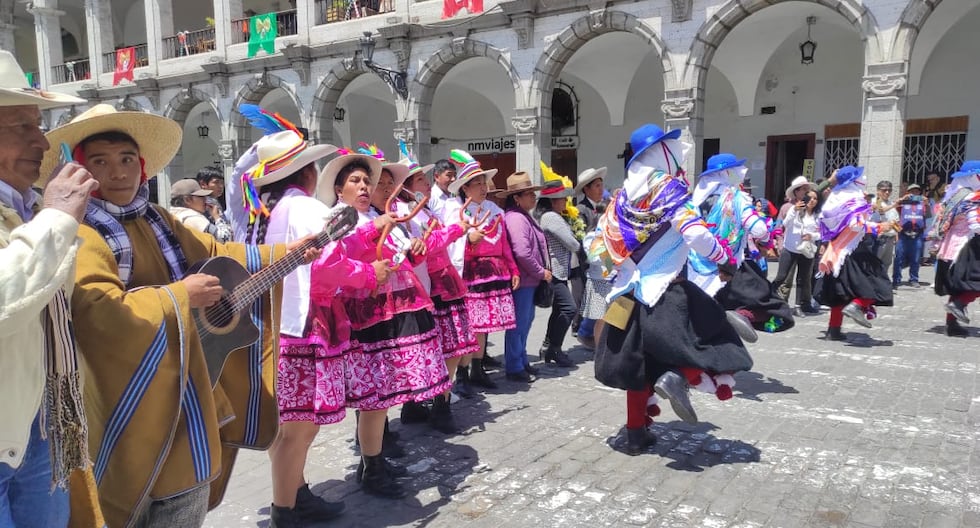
(197, 151)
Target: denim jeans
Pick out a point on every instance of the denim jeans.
(563, 310)
(26, 498)
(515, 339)
(587, 328)
(907, 253)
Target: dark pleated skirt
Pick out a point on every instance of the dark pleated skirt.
(960, 276)
(750, 290)
(862, 276)
(686, 328)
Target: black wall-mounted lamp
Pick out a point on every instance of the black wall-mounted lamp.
(397, 80)
(808, 48)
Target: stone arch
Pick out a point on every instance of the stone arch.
(714, 30)
(178, 109)
(328, 95)
(253, 92)
(432, 72)
(913, 18)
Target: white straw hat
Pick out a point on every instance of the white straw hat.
(14, 90)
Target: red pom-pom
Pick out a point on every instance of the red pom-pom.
(723, 392)
(653, 411)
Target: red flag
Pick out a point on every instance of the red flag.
(451, 8)
(125, 62)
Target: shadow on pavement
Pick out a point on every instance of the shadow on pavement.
(749, 385)
(862, 340)
(691, 447)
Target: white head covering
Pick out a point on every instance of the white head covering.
(654, 158)
(715, 182)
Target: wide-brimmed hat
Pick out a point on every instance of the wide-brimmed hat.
(588, 176)
(157, 137)
(799, 181)
(519, 182)
(555, 189)
(14, 90)
(282, 154)
(188, 187)
(647, 136)
(969, 168)
(467, 168)
(325, 191)
(914, 187)
(848, 174)
(723, 161)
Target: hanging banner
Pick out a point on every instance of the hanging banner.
(451, 8)
(262, 34)
(509, 144)
(125, 62)
(30, 79)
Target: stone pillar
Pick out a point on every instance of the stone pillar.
(47, 29)
(159, 24)
(305, 19)
(101, 40)
(224, 12)
(528, 139)
(679, 110)
(406, 131)
(7, 37)
(883, 122)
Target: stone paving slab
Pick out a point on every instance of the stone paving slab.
(880, 431)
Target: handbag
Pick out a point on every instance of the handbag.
(544, 293)
(807, 248)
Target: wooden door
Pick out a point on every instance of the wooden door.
(784, 161)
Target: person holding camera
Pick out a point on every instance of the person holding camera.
(913, 210)
(885, 211)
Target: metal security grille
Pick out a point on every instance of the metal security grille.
(838, 152)
(941, 153)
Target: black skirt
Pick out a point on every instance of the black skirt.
(750, 290)
(960, 276)
(686, 328)
(862, 276)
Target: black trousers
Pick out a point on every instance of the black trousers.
(563, 310)
(804, 275)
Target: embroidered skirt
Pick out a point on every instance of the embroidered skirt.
(453, 324)
(398, 360)
(594, 299)
(489, 298)
(686, 328)
(862, 276)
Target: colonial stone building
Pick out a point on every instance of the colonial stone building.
(793, 86)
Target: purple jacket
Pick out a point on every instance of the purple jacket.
(528, 245)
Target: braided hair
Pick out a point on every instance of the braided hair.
(272, 193)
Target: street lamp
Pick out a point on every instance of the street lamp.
(202, 130)
(338, 113)
(808, 48)
(393, 78)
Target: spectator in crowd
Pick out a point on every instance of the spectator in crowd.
(914, 209)
(212, 179)
(884, 211)
(188, 204)
(562, 244)
(934, 191)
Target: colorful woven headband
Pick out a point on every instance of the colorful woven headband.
(464, 162)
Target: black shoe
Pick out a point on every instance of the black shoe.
(809, 310)
(672, 386)
(559, 357)
(462, 387)
(959, 312)
(391, 448)
(394, 471)
(856, 313)
(534, 371)
(313, 508)
(479, 377)
(441, 418)
(375, 479)
(953, 329)
(491, 362)
(520, 377)
(414, 412)
(285, 518)
(834, 334)
(638, 440)
(742, 326)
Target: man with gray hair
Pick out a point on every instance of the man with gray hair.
(44, 436)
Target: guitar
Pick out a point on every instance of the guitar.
(227, 325)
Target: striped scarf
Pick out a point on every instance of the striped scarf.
(106, 218)
(63, 420)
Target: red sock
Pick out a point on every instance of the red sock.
(691, 374)
(836, 317)
(864, 303)
(950, 318)
(636, 408)
(965, 298)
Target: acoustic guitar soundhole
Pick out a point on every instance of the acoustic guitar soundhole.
(220, 314)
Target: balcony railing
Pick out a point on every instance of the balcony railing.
(188, 43)
(328, 11)
(286, 24)
(109, 59)
(71, 71)
(35, 78)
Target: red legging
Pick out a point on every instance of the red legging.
(962, 299)
(837, 312)
(636, 408)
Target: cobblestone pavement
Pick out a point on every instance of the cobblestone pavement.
(880, 431)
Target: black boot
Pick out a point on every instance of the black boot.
(394, 470)
(491, 362)
(285, 518)
(441, 417)
(954, 329)
(414, 412)
(377, 481)
(389, 433)
(638, 440)
(834, 333)
(391, 448)
(312, 508)
(558, 356)
(479, 377)
(462, 384)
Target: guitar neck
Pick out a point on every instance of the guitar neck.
(262, 281)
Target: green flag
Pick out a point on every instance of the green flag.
(262, 34)
(30, 79)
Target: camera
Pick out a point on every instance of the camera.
(806, 199)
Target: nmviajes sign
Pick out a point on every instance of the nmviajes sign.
(509, 144)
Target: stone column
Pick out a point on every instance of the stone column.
(528, 139)
(226, 151)
(101, 40)
(305, 19)
(224, 12)
(406, 131)
(159, 24)
(680, 112)
(883, 122)
(47, 29)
